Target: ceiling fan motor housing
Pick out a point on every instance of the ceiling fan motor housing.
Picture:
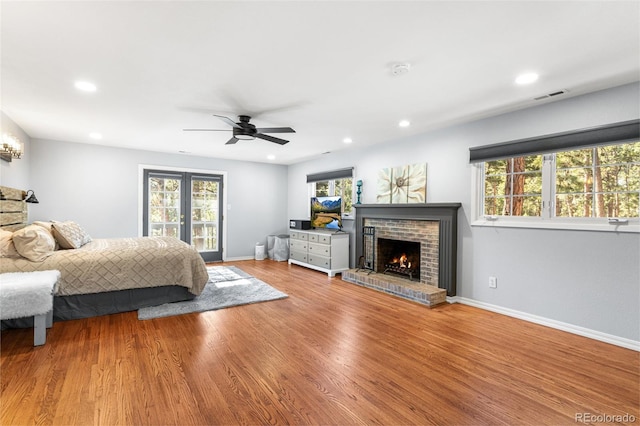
(246, 131)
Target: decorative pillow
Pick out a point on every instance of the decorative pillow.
(48, 227)
(7, 248)
(34, 243)
(69, 235)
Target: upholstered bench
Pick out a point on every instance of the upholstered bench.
(25, 294)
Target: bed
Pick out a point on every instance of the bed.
(99, 276)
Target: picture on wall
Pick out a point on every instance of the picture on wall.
(403, 184)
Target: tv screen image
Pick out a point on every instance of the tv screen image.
(326, 212)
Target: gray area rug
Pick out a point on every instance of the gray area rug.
(227, 286)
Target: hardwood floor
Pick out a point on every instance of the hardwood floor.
(331, 353)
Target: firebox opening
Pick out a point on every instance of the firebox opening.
(399, 258)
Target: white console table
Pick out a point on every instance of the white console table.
(319, 249)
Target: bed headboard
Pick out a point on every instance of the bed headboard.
(13, 209)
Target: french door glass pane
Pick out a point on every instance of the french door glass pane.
(204, 214)
(164, 207)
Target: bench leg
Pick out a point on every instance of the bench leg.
(50, 319)
(39, 329)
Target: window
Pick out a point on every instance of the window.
(583, 188)
(337, 187)
(334, 183)
(513, 187)
(593, 182)
(598, 182)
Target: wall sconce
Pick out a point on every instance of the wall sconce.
(31, 198)
(11, 147)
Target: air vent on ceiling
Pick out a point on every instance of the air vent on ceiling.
(551, 95)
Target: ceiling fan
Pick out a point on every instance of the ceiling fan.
(243, 130)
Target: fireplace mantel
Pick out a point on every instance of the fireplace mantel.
(446, 214)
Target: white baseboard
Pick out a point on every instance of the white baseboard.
(559, 325)
(231, 259)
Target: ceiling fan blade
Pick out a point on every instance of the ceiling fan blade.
(271, 139)
(232, 140)
(275, 130)
(227, 120)
(205, 130)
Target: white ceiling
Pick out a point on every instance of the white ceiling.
(323, 68)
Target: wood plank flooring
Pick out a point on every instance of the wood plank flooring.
(331, 353)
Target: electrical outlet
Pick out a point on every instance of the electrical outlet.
(493, 282)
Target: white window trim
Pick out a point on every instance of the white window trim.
(631, 225)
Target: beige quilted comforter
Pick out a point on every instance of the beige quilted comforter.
(122, 263)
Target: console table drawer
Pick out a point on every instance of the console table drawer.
(300, 256)
(298, 245)
(321, 261)
(298, 236)
(320, 249)
(316, 238)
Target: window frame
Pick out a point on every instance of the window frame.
(546, 220)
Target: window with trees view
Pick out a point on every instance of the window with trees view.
(336, 187)
(602, 181)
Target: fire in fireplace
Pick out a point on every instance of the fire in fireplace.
(399, 257)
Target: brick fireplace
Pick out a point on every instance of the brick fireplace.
(424, 233)
(403, 233)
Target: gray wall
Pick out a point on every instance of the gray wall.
(98, 187)
(584, 278)
(15, 174)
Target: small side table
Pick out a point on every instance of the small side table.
(25, 294)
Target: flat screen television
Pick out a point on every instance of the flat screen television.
(326, 212)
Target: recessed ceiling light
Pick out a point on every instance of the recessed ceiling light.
(526, 78)
(85, 86)
(271, 157)
(347, 140)
(404, 123)
(95, 135)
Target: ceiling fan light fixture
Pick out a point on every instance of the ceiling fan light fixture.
(245, 137)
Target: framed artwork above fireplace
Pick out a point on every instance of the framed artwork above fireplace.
(402, 184)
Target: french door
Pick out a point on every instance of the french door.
(187, 206)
